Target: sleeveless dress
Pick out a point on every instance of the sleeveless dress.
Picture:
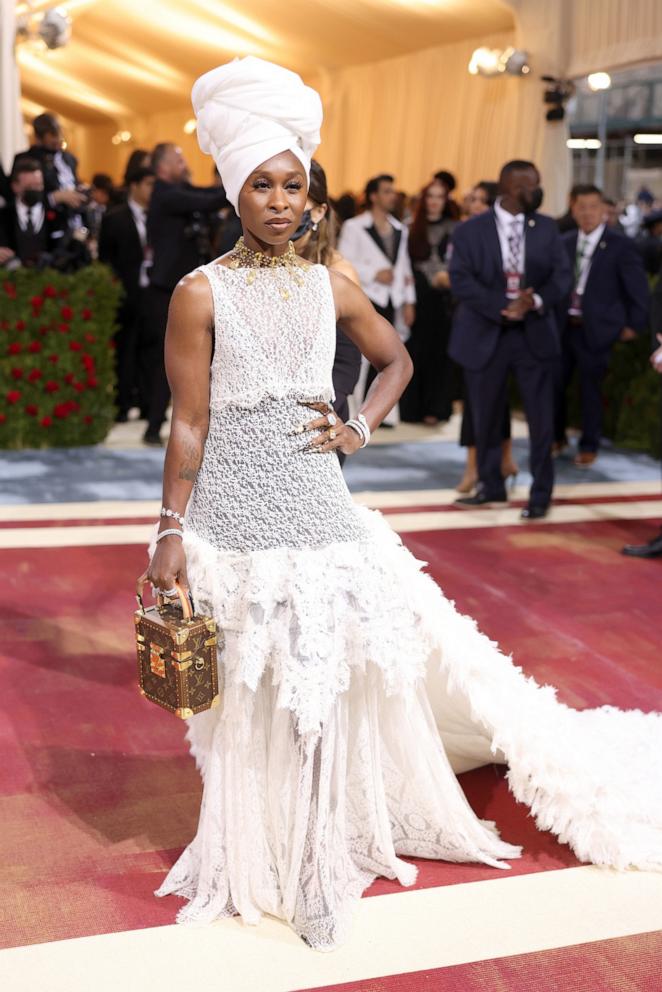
(353, 691)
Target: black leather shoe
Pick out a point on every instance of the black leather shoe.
(533, 512)
(480, 499)
(651, 550)
(153, 438)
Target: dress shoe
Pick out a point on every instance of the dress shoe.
(533, 512)
(480, 499)
(585, 459)
(651, 550)
(153, 438)
(558, 448)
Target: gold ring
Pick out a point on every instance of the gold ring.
(332, 435)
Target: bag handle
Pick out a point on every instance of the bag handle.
(185, 600)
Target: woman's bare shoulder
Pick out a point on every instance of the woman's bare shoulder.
(340, 264)
(193, 292)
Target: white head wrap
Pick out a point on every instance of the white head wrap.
(250, 110)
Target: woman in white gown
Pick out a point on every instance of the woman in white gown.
(352, 690)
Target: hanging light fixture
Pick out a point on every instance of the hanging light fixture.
(495, 61)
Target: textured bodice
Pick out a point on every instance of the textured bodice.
(275, 336)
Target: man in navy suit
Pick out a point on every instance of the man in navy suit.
(609, 302)
(509, 272)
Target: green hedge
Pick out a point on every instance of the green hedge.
(631, 398)
(57, 369)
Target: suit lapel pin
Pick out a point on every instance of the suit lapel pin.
(603, 244)
(532, 223)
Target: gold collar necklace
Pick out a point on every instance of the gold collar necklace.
(243, 257)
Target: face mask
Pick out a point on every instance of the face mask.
(31, 197)
(304, 226)
(532, 202)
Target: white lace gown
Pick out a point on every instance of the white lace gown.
(353, 691)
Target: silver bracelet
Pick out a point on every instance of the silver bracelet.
(364, 423)
(179, 517)
(171, 530)
(359, 429)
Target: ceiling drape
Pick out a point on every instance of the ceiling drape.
(391, 102)
(611, 34)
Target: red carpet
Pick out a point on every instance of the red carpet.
(630, 964)
(97, 793)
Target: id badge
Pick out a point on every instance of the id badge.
(575, 304)
(513, 285)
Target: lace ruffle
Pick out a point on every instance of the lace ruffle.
(312, 615)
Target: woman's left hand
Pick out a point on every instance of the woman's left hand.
(336, 437)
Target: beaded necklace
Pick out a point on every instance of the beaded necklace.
(243, 257)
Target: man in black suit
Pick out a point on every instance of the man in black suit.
(32, 233)
(58, 165)
(509, 272)
(178, 229)
(123, 245)
(609, 301)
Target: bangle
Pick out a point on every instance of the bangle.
(179, 517)
(170, 530)
(361, 429)
(364, 423)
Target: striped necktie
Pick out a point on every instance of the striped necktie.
(515, 246)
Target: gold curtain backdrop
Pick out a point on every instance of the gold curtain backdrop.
(613, 34)
(418, 113)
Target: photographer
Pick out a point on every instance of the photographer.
(59, 168)
(32, 232)
(178, 230)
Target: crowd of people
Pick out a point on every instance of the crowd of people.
(479, 287)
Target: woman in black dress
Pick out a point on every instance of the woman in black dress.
(315, 240)
(429, 396)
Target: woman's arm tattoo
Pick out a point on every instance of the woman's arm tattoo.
(190, 465)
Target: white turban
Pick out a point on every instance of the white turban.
(250, 110)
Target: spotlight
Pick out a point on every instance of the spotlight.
(493, 61)
(121, 137)
(485, 62)
(515, 62)
(55, 28)
(599, 81)
(591, 144)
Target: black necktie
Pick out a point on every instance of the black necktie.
(29, 227)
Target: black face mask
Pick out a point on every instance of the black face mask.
(304, 226)
(532, 201)
(31, 197)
